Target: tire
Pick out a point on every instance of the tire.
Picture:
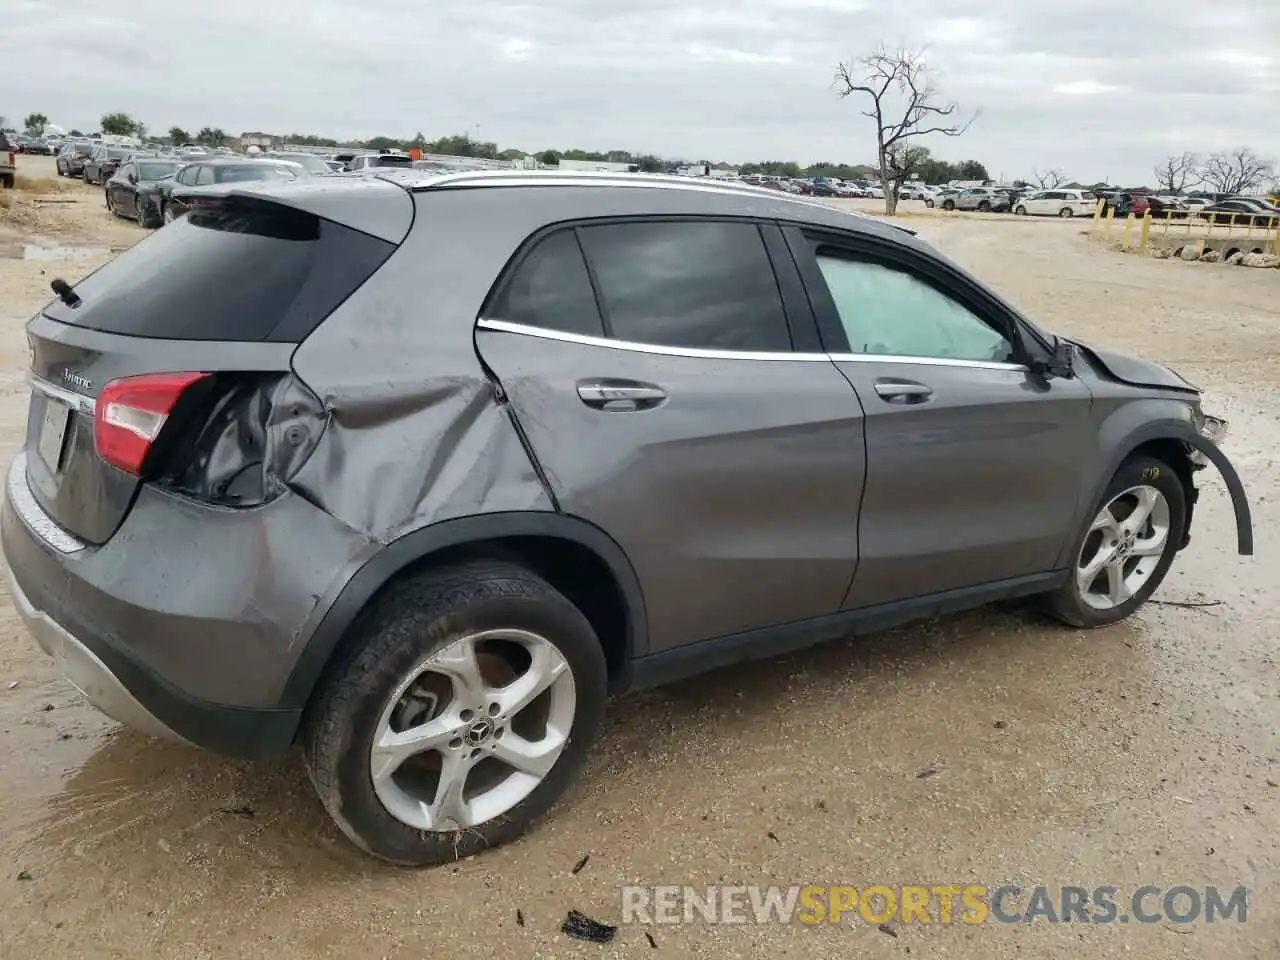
(948, 204)
(1021, 211)
(387, 670)
(8, 180)
(929, 204)
(1075, 606)
(1066, 213)
(145, 218)
(984, 207)
(167, 215)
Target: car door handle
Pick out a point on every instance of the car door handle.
(620, 395)
(903, 391)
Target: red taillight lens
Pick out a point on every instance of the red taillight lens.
(130, 414)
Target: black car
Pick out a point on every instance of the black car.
(1165, 210)
(823, 188)
(73, 156)
(201, 173)
(37, 146)
(134, 190)
(102, 163)
(1242, 212)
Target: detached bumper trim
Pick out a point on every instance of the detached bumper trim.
(85, 671)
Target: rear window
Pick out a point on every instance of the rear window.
(393, 161)
(255, 172)
(236, 269)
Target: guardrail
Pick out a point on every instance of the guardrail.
(1247, 232)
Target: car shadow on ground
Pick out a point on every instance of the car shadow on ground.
(137, 798)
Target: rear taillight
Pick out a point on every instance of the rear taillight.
(130, 414)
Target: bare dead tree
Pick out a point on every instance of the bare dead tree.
(1236, 171)
(904, 105)
(1178, 172)
(1049, 179)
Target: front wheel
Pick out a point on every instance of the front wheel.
(463, 709)
(948, 205)
(984, 207)
(1128, 547)
(929, 204)
(1021, 211)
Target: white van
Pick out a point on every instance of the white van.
(1057, 203)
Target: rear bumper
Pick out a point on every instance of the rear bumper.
(184, 624)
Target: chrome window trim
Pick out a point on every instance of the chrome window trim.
(504, 326)
(76, 401)
(32, 514)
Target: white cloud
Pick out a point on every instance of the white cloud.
(1083, 88)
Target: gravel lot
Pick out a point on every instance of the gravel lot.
(1143, 753)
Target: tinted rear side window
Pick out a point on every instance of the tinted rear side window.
(707, 285)
(551, 289)
(239, 269)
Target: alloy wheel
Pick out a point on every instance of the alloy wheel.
(471, 731)
(1123, 547)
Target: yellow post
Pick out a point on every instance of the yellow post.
(1144, 237)
(1128, 229)
(1110, 218)
(1097, 217)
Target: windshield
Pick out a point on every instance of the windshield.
(307, 161)
(156, 171)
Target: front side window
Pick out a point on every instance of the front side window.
(695, 284)
(551, 290)
(892, 313)
(204, 176)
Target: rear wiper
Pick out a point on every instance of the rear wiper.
(64, 292)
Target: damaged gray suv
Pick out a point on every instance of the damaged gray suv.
(414, 471)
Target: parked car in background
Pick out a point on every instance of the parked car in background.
(309, 162)
(8, 162)
(379, 481)
(73, 156)
(37, 146)
(822, 187)
(940, 197)
(1167, 208)
(1242, 212)
(134, 189)
(102, 163)
(369, 161)
(173, 201)
(982, 199)
(1196, 204)
(1056, 203)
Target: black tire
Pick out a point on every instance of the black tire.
(8, 180)
(929, 204)
(1021, 211)
(948, 204)
(1066, 213)
(1066, 603)
(146, 217)
(400, 628)
(984, 207)
(166, 214)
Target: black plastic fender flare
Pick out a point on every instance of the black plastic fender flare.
(418, 544)
(1178, 430)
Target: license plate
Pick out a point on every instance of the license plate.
(53, 432)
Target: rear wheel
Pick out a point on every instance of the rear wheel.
(984, 207)
(463, 709)
(1128, 547)
(948, 204)
(1021, 211)
(1065, 213)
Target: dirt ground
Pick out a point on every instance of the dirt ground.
(1143, 753)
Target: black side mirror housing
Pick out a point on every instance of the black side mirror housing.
(1059, 362)
(133, 178)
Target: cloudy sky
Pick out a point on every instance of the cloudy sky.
(1100, 88)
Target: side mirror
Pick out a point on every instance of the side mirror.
(133, 177)
(1059, 363)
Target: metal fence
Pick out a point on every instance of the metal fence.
(1241, 232)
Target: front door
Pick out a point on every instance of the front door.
(973, 462)
(650, 363)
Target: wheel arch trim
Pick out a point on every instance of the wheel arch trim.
(417, 545)
(1182, 431)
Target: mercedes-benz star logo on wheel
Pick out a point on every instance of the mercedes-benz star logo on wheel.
(480, 731)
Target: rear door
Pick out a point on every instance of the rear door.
(973, 463)
(224, 290)
(658, 383)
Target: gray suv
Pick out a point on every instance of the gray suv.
(415, 470)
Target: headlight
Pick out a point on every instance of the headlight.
(1212, 428)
